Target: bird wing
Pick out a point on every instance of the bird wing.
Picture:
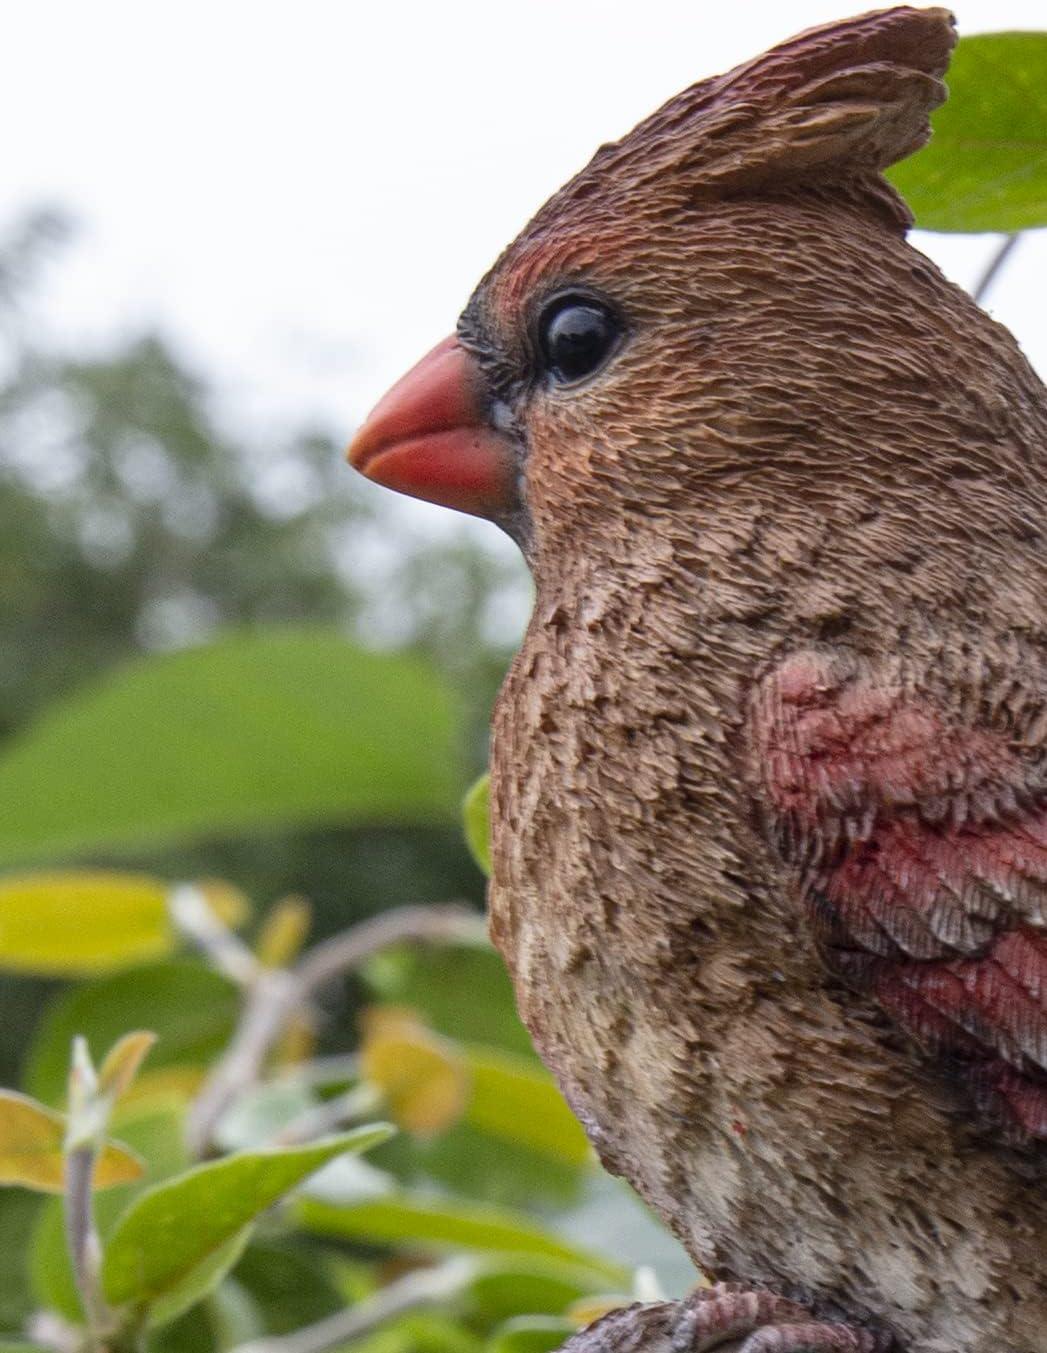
(919, 842)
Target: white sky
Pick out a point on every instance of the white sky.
(304, 194)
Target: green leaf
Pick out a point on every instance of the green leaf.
(530, 1334)
(277, 726)
(417, 1222)
(985, 167)
(191, 1009)
(529, 1287)
(516, 1101)
(431, 1331)
(176, 1226)
(18, 1213)
(199, 1282)
(476, 818)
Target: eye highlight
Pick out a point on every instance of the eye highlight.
(577, 334)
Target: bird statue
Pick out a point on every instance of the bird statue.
(769, 772)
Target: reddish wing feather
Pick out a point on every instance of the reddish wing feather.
(921, 856)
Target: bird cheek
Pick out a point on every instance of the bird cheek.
(431, 437)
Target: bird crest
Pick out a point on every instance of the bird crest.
(830, 108)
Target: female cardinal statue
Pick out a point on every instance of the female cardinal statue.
(770, 769)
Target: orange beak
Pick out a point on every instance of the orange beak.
(431, 438)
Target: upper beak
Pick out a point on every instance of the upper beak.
(431, 438)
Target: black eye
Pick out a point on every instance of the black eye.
(577, 334)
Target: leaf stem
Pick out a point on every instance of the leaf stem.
(85, 1246)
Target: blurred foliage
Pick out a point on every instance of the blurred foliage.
(985, 167)
(132, 521)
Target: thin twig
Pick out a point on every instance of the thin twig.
(362, 1101)
(424, 1287)
(196, 919)
(85, 1247)
(274, 995)
(995, 264)
(272, 999)
(447, 924)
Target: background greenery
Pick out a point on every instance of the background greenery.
(212, 667)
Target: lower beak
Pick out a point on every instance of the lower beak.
(430, 437)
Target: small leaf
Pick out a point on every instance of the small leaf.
(75, 923)
(530, 1334)
(122, 1062)
(423, 1080)
(476, 815)
(171, 1229)
(284, 931)
(515, 1100)
(419, 1222)
(229, 903)
(530, 1286)
(32, 1139)
(985, 167)
(167, 1087)
(587, 1309)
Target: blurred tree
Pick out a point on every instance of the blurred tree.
(131, 520)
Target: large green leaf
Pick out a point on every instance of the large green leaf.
(417, 1222)
(985, 168)
(169, 1231)
(516, 1101)
(273, 726)
(190, 1008)
(530, 1334)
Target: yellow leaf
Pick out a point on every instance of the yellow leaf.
(284, 931)
(31, 1140)
(168, 1087)
(74, 923)
(298, 1043)
(117, 1164)
(227, 902)
(421, 1076)
(587, 1309)
(122, 1062)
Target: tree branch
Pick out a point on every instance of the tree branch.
(275, 995)
(424, 1287)
(992, 271)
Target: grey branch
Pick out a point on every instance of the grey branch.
(275, 995)
(425, 1287)
(995, 264)
(85, 1248)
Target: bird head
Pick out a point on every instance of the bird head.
(669, 323)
